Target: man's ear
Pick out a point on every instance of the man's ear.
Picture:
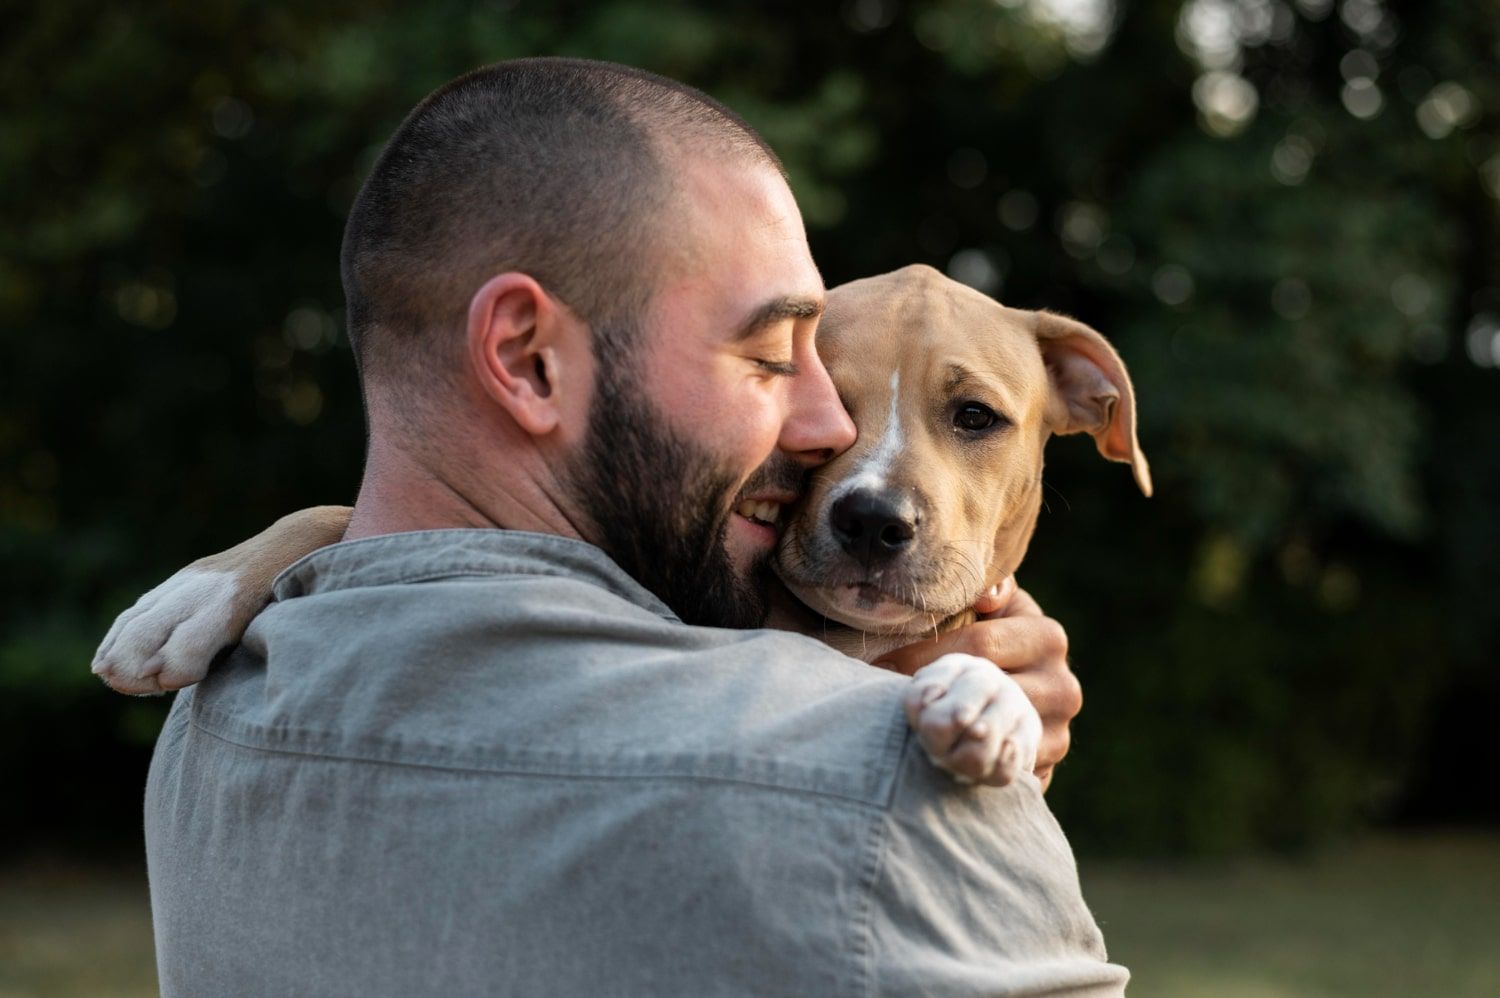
(1091, 390)
(517, 337)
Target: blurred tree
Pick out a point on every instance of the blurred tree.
(1286, 215)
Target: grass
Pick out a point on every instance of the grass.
(1394, 916)
(75, 931)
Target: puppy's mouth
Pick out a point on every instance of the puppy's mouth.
(863, 605)
(870, 603)
(907, 598)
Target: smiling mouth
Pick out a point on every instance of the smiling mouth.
(762, 512)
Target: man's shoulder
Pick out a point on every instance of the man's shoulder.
(554, 675)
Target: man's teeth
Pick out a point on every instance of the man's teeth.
(765, 512)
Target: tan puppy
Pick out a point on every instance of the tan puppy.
(954, 396)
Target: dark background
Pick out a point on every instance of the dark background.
(1285, 215)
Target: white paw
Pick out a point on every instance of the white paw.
(167, 639)
(974, 720)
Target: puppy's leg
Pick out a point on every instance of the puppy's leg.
(974, 720)
(166, 640)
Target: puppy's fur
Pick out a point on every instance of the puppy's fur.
(954, 396)
(899, 535)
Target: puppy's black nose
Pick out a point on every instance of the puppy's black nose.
(870, 527)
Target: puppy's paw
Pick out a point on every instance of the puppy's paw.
(168, 638)
(974, 720)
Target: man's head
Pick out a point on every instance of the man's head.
(582, 301)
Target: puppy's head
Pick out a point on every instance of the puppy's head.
(954, 396)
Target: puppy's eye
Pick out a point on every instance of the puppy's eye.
(973, 416)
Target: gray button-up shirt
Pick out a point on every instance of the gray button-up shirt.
(485, 762)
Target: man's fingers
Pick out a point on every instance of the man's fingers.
(1053, 689)
(1022, 605)
(994, 601)
(1057, 695)
(910, 658)
(1056, 738)
(1016, 642)
(1009, 642)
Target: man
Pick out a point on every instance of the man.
(533, 759)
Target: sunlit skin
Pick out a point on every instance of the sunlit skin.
(739, 253)
(743, 397)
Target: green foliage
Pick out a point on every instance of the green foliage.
(1282, 643)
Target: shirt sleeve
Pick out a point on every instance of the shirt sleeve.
(976, 893)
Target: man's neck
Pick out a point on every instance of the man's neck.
(402, 491)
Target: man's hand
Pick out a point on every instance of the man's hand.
(1013, 633)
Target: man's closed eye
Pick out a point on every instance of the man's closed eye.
(780, 368)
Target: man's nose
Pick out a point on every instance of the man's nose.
(817, 429)
(872, 527)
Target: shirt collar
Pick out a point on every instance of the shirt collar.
(430, 555)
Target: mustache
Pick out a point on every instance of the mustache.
(779, 474)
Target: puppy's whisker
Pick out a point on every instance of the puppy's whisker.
(1048, 485)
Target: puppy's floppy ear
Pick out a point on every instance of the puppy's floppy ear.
(1091, 390)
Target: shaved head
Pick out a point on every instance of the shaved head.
(563, 169)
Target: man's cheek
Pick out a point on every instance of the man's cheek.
(757, 422)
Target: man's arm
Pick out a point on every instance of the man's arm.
(977, 893)
(1016, 635)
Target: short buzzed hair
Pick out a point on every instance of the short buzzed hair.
(557, 168)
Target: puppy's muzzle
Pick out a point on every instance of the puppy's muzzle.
(873, 528)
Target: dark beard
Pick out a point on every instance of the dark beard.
(660, 507)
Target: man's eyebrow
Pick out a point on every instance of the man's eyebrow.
(779, 309)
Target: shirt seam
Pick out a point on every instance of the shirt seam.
(474, 570)
(872, 861)
(598, 569)
(351, 757)
(864, 941)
